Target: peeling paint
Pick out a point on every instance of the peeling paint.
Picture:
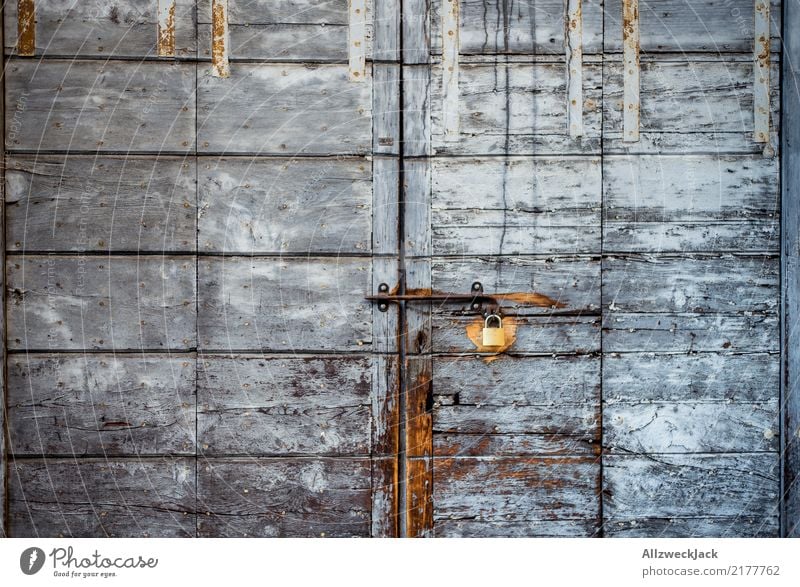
(357, 45)
(220, 66)
(574, 55)
(450, 50)
(166, 28)
(630, 65)
(761, 83)
(26, 28)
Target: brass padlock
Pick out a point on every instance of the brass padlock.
(493, 336)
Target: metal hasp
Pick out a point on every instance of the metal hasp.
(475, 299)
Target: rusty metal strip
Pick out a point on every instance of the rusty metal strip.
(574, 55)
(358, 39)
(630, 65)
(450, 49)
(166, 28)
(220, 43)
(26, 28)
(761, 57)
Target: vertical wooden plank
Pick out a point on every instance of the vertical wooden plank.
(450, 49)
(630, 63)
(3, 393)
(416, 31)
(761, 62)
(357, 46)
(386, 27)
(574, 53)
(166, 28)
(26, 28)
(790, 260)
(220, 41)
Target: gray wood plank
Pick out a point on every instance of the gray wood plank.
(99, 498)
(691, 283)
(284, 109)
(689, 25)
(416, 31)
(100, 303)
(101, 405)
(101, 105)
(532, 27)
(684, 333)
(75, 203)
(516, 108)
(310, 405)
(476, 445)
(690, 486)
(507, 490)
(284, 304)
(284, 206)
(673, 237)
(466, 528)
(702, 527)
(284, 497)
(546, 418)
(386, 109)
(120, 28)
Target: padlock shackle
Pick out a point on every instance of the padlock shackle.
(489, 317)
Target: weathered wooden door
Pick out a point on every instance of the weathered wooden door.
(648, 403)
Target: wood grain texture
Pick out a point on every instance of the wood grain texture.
(520, 28)
(115, 204)
(284, 497)
(284, 304)
(710, 487)
(284, 109)
(761, 74)
(284, 205)
(450, 51)
(467, 528)
(631, 107)
(101, 106)
(119, 28)
(515, 445)
(101, 405)
(98, 303)
(102, 498)
(270, 406)
(573, 46)
(515, 108)
(738, 526)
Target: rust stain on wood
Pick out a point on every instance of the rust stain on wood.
(574, 55)
(475, 334)
(761, 83)
(220, 66)
(26, 28)
(166, 28)
(418, 417)
(630, 65)
(419, 493)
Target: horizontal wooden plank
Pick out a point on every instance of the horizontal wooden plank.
(684, 427)
(691, 283)
(690, 486)
(689, 25)
(285, 205)
(748, 332)
(284, 109)
(101, 498)
(566, 418)
(572, 281)
(283, 29)
(512, 490)
(100, 303)
(315, 405)
(656, 237)
(75, 203)
(531, 27)
(101, 405)
(284, 304)
(123, 28)
(516, 381)
(475, 445)
(100, 105)
(703, 527)
(517, 529)
(284, 497)
(514, 109)
(543, 335)
(704, 377)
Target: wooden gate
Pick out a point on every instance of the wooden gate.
(194, 219)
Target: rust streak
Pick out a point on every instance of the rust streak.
(26, 28)
(761, 83)
(166, 28)
(219, 39)
(630, 65)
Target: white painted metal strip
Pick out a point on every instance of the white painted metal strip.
(166, 28)
(450, 49)
(220, 42)
(761, 60)
(630, 64)
(358, 39)
(574, 54)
